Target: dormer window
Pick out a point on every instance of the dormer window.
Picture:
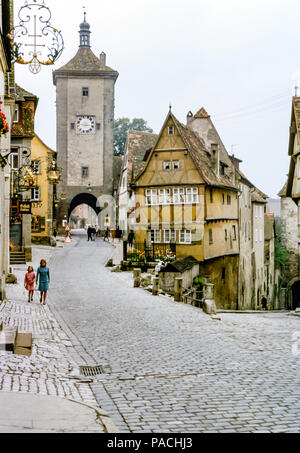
(167, 165)
(171, 130)
(175, 164)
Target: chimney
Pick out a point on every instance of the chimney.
(236, 162)
(189, 118)
(103, 58)
(215, 157)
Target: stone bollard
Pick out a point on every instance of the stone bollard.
(208, 291)
(155, 287)
(178, 288)
(209, 305)
(137, 277)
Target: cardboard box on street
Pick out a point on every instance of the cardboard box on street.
(22, 351)
(23, 345)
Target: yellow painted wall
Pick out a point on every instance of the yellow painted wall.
(40, 152)
(220, 246)
(216, 209)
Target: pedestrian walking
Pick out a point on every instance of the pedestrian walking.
(94, 233)
(29, 283)
(118, 233)
(55, 233)
(130, 238)
(43, 278)
(89, 233)
(106, 234)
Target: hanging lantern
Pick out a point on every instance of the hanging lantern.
(34, 41)
(54, 174)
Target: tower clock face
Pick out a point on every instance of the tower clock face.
(85, 124)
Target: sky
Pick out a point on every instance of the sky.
(240, 60)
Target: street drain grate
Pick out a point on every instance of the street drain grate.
(91, 370)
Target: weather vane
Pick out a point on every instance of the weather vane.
(46, 43)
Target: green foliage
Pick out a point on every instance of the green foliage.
(74, 218)
(281, 254)
(122, 126)
(198, 282)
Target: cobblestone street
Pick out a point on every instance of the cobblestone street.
(168, 367)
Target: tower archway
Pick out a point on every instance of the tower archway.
(84, 198)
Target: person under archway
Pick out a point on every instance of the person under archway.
(264, 303)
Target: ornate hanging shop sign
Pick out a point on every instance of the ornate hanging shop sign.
(34, 41)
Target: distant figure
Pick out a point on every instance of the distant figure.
(55, 233)
(106, 234)
(93, 233)
(118, 233)
(130, 238)
(29, 283)
(89, 233)
(43, 277)
(264, 303)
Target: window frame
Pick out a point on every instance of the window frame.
(83, 171)
(33, 194)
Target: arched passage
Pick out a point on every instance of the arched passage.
(84, 198)
(296, 295)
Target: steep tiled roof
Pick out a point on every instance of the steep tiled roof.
(117, 167)
(138, 142)
(23, 95)
(202, 113)
(282, 193)
(258, 197)
(181, 265)
(200, 157)
(85, 61)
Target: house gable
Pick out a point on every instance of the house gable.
(169, 162)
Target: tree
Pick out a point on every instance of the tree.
(281, 254)
(122, 126)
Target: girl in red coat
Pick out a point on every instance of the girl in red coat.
(29, 283)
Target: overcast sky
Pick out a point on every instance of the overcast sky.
(240, 60)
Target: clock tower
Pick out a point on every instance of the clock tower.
(85, 126)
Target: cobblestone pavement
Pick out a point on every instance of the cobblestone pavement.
(53, 367)
(168, 367)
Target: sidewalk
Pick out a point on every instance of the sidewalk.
(28, 413)
(44, 392)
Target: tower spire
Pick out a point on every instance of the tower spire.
(84, 33)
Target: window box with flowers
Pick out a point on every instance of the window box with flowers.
(4, 126)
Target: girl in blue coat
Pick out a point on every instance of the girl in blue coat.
(43, 276)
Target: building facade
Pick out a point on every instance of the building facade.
(181, 199)
(137, 144)
(85, 123)
(42, 195)
(192, 193)
(293, 188)
(20, 159)
(7, 109)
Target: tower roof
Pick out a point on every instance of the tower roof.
(85, 62)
